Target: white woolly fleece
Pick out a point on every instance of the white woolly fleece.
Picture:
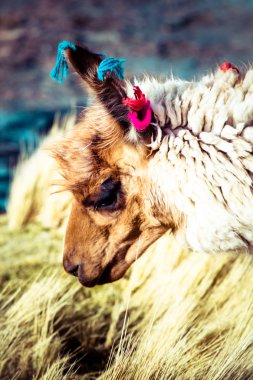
(202, 161)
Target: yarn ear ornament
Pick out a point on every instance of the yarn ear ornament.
(142, 115)
(225, 66)
(60, 70)
(113, 65)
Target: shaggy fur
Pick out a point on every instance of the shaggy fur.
(202, 162)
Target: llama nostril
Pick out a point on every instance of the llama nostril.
(70, 268)
(74, 270)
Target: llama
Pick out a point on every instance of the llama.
(189, 171)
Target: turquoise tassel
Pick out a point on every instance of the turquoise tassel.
(113, 65)
(60, 69)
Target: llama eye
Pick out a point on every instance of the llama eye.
(108, 197)
(106, 201)
(109, 194)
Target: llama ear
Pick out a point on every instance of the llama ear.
(110, 91)
(84, 62)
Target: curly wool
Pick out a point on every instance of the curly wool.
(203, 149)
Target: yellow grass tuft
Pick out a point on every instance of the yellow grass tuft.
(177, 315)
(33, 196)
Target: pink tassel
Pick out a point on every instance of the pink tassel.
(139, 124)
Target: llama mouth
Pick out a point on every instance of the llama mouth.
(89, 284)
(102, 279)
(106, 276)
(113, 271)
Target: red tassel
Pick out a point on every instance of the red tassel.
(225, 66)
(138, 103)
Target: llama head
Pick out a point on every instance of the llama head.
(113, 220)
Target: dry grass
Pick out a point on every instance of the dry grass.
(176, 316)
(33, 196)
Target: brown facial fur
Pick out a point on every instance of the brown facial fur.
(102, 244)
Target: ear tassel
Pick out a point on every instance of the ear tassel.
(138, 103)
(113, 65)
(60, 70)
(225, 66)
(142, 115)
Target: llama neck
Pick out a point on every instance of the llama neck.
(202, 161)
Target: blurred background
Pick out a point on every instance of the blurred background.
(183, 37)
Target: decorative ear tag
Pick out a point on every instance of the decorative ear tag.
(142, 115)
(113, 65)
(60, 69)
(225, 66)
